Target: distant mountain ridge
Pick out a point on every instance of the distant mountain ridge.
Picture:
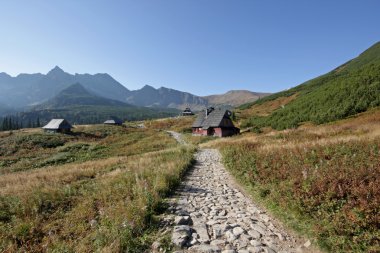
(165, 97)
(77, 95)
(28, 90)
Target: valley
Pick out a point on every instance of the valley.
(302, 175)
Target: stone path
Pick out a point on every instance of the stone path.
(177, 136)
(210, 214)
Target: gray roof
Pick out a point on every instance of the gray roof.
(113, 120)
(214, 119)
(56, 124)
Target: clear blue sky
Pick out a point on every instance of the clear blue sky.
(200, 46)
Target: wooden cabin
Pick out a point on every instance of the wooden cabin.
(58, 126)
(214, 122)
(187, 112)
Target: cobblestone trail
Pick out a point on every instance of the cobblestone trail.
(177, 137)
(210, 214)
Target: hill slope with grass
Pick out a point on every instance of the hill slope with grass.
(322, 181)
(235, 97)
(352, 88)
(97, 190)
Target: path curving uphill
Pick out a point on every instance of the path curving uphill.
(210, 214)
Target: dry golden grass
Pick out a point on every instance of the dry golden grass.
(22, 183)
(321, 180)
(103, 200)
(364, 126)
(266, 108)
(179, 124)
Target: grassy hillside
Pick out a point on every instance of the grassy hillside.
(96, 190)
(349, 89)
(322, 181)
(234, 97)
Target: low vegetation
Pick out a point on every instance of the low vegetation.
(178, 124)
(323, 181)
(350, 89)
(96, 190)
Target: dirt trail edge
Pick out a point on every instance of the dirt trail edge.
(210, 214)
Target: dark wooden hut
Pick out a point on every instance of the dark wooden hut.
(58, 126)
(187, 112)
(214, 122)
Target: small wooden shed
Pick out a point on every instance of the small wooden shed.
(214, 122)
(58, 126)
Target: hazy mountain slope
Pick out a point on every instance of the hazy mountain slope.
(349, 89)
(164, 97)
(15, 91)
(80, 106)
(235, 97)
(76, 95)
(4, 110)
(103, 85)
(32, 89)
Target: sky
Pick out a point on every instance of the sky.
(199, 46)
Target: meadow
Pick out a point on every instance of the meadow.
(322, 181)
(98, 189)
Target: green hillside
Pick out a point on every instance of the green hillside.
(76, 94)
(352, 88)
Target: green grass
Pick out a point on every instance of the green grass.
(23, 150)
(350, 89)
(98, 190)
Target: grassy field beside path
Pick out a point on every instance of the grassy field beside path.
(96, 190)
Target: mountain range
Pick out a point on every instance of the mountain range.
(29, 90)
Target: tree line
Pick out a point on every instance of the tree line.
(14, 122)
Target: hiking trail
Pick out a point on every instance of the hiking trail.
(210, 214)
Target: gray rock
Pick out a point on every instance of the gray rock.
(182, 229)
(218, 243)
(258, 229)
(181, 235)
(201, 230)
(179, 240)
(269, 250)
(182, 220)
(237, 231)
(205, 248)
(255, 243)
(257, 249)
(254, 234)
(230, 236)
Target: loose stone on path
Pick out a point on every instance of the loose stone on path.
(212, 215)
